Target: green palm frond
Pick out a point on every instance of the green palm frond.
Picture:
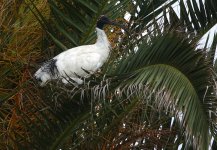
(157, 75)
(74, 21)
(194, 18)
(171, 65)
(168, 74)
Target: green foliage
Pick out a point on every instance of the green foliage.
(173, 67)
(154, 74)
(74, 22)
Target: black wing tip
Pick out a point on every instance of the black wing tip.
(38, 79)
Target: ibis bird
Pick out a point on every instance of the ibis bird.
(78, 61)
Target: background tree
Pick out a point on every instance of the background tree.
(153, 75)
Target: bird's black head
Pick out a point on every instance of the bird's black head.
(102, 21)
(105, 20)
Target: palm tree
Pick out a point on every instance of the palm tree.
(156, 91)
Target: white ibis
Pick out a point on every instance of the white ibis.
(75, 62)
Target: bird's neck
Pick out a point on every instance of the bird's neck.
(102, 38)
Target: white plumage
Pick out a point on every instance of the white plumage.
(72, 63)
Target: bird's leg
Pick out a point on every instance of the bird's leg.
(86, 71)
(72, 80)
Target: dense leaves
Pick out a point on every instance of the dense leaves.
(156, 91)
(171, 65)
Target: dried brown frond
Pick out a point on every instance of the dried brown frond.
(21, 42)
